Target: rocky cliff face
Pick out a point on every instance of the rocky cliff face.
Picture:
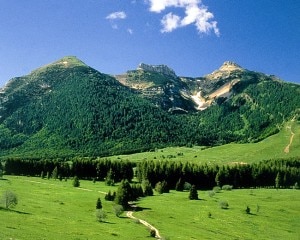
(162, 69)
(165, 89)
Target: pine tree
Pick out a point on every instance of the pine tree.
(193, 193)
(98, 204)
(124, 194)
(278, 181)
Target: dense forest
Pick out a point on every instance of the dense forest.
(173, 173)
(73, 110)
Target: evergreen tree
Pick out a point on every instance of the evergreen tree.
(109, 180)
(55, 173)
(123, 194)
(278, 181)
(76, 182)
(193, 193)
(98, 204)
(147, 188)
(179, 185)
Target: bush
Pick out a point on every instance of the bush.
(161, 187)
(9, 199)
(100, 215)
(211, 193)
(152, 233)
(193, 193)
(118, 209)
(224, 204)
(227, 187)
(216, 189)
(187, 186)
(76, 182)
(247, 210)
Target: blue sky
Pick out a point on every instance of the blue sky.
(192, 37)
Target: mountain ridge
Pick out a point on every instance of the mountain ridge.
(68, 108)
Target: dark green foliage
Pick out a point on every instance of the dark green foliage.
(179, 185)
(147, 188)
(76, 182)
(98, 204)
(278, 181)
(55, 173)
(152, 233)
(78, 111)
(109, 180)
(118, 209)
(110, 196)
(193, 195)
(162, 187)
(124, 194)
(248, 210)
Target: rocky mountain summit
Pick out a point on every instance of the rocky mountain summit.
(162, 69)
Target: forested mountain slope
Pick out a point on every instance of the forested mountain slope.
(67, 108)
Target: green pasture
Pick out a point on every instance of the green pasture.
(274, 214)
(272, 147)
(53, 209)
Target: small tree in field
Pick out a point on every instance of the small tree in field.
(1, 173)
(248, 210)
(98, 204)
(100, 215)
(193, 193)
(9, 199)
(76, 182)
(118, 209)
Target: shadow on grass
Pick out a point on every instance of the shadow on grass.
(14, 211)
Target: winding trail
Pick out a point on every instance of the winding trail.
(148, 225)
(287, 148)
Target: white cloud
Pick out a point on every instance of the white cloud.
(170, 22)
(195, 13)
(116, 15)
(130, 31)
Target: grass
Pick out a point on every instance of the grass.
(270, 148)
(50, 209)
(278, 215)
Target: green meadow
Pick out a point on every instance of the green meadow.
(273, 147)
(53, 209)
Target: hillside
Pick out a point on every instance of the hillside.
(67, 108)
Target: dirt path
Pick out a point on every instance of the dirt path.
(148, 225)
(287, 148)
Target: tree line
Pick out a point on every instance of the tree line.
(286, 172)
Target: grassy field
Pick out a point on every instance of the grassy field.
(50, 209)
(270, 148)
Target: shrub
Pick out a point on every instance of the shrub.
(161, 187)
(211, 193)
(9, 199)
(152, 233)
(227, 187)
(187, 186)
(224, 204)
(118, 209)
(216, 189)
(76, 182)
(100, 215)
(247, 210)
(193, 193)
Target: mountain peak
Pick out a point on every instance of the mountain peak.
(230, 66)
(65, 62)
(163, 69)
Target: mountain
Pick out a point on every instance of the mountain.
(67, 108)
